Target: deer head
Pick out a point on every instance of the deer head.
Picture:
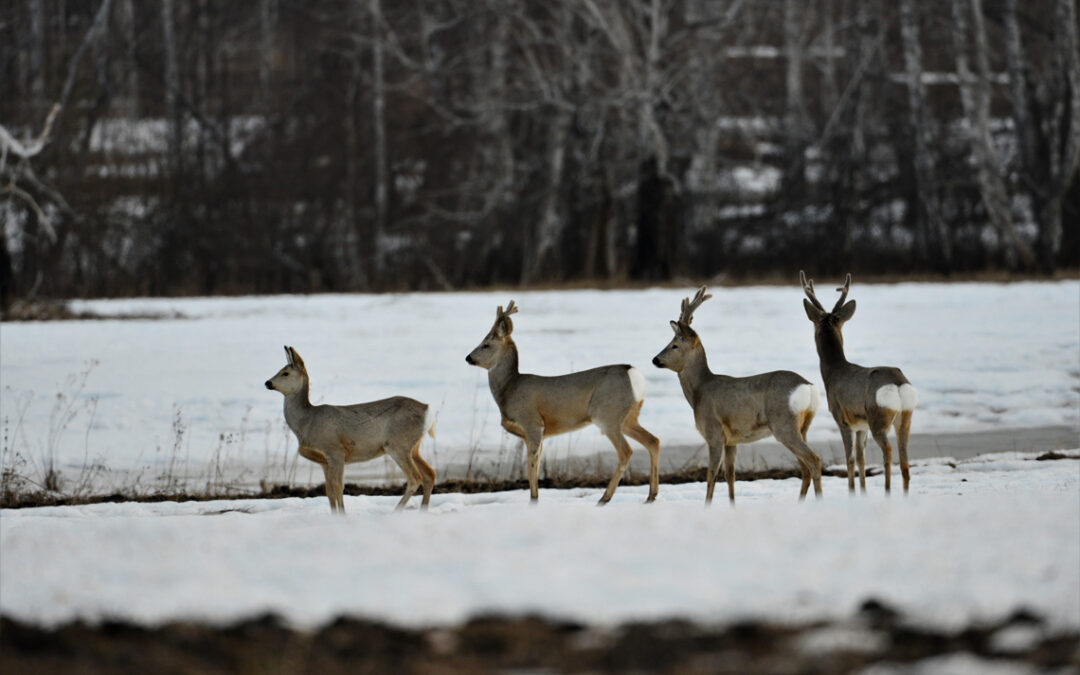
(497, 342)
(293, 377)
(686, 340)
(827, 321)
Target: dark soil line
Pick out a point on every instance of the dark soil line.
(500, 643)
(34, 499)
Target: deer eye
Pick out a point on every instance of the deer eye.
(674, 346)
(284, 374)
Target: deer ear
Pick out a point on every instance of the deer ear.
(845, 312)
(813, 313)
(288, 355)
(503, 327)
(296, 360)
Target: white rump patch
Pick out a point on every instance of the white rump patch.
(429, 421)
(888, 397)
(804, 397)
(637, 384)
(909, 398)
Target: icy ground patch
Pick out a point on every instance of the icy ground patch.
(177, 395)
(975, 541)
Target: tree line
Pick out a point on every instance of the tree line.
(322, 145)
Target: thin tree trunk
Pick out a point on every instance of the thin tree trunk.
(795, 108)
(1064, 162)
(975, 97)
(36, 70)
(174, 136)
(267, 12)
(131, 68)
(929, 210)
(378, 120)
(550, 227)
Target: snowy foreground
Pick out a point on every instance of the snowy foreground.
(975, 541)
(183, 398)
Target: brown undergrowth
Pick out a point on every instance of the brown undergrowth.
(877, 634)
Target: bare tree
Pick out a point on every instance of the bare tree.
(975, 97)
(925, 185)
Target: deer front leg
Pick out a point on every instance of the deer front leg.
(729, 470)
(534, 444)
(716, 453)
(334, 470)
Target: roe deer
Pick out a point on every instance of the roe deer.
(336, 435)
(860, 399)
(733, 410)
(534, 407)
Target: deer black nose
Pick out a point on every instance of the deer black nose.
(468, 360)
(656, 362)
(268, 385)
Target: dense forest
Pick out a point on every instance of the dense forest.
(208, 146)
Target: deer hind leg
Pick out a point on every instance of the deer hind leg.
(716, 453)
(809, 462)
(729, 470)
(903, 434)
(651, 443)
(427, 474)
(880, 430)
(625, 452)
(848, 437)
(403, 458)
(808, 417)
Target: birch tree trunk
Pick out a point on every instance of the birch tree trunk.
(929, 209)
(975, 98)
(267, 12)
(550, 227)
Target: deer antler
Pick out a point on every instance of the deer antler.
(843, 292)
(808, 288)
(688, 306)
(510, 309)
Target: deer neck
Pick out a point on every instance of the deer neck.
(694, 374)
(503, 373)
(298, 408)
(830, 349)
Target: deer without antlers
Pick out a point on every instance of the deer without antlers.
(729, 411)
(860, 399)
(336, 435)
(534, 407)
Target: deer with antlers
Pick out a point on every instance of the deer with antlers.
(534, 407)
(729, 411)
(335, 435)
(861, 399)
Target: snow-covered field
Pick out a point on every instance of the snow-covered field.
(975, 541)
(185, 397)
